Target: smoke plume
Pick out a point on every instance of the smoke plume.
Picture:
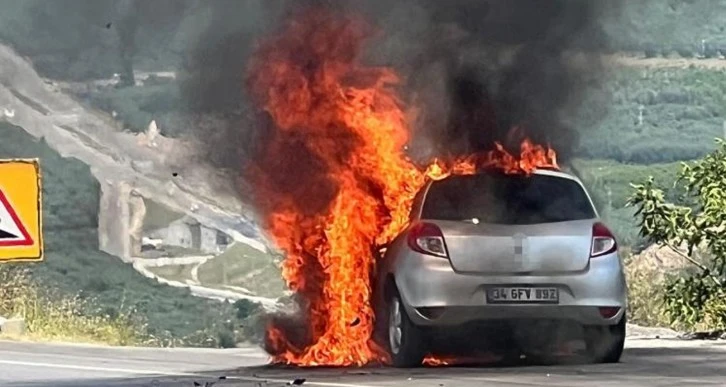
(477, 69)
(474, 69)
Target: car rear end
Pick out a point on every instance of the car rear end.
(506, 247)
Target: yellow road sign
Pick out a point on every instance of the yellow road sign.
(21, 236)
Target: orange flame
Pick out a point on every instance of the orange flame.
(530, 158)
(432, 360)
(437, 361)
(334, 184)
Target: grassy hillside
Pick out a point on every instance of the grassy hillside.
(75, 266)
(683, 110)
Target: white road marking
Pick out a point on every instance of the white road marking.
(247, 350)
(91, 368)
(253, 355)
(500, 381)
(261, 357)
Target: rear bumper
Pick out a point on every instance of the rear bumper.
(435, 295)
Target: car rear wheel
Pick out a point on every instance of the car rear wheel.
(605, 343)
(405, 340)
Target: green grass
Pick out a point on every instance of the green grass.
(604, 174)
(246, 267)
(179, 273)
(51, 316)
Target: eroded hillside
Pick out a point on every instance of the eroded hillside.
(159, 207)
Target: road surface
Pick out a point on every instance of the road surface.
(647, 362)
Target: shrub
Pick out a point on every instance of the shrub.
(674, 95)
(226, 339)
(697, 299)
(646, 286)
(685, 52)
(245, 308)
(651, 50)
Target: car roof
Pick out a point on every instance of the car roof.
(548, 172)
(556, 173)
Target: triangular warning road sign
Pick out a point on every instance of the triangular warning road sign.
(12, 230)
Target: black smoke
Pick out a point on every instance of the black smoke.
(474, 69)
(479, 68)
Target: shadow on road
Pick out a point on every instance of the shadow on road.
(638, 364)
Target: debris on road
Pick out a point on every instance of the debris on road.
(710, 335)
(209, 384)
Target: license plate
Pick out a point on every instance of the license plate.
(523, 295)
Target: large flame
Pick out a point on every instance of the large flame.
(333, 182)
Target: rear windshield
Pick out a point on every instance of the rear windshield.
(507, 199)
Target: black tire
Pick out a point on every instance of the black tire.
(411, 347)
(605, 343)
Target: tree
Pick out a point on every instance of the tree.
(697, 232)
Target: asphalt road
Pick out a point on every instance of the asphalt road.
(647, 362)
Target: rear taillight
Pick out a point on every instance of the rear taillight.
(426, 238)
(608, 311)
(603, 241)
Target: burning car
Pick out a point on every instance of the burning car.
(338, 170)
(502, 247)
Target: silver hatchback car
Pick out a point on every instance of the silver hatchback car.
(502, 248)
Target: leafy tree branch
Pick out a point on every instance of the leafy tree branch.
(699, 225)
